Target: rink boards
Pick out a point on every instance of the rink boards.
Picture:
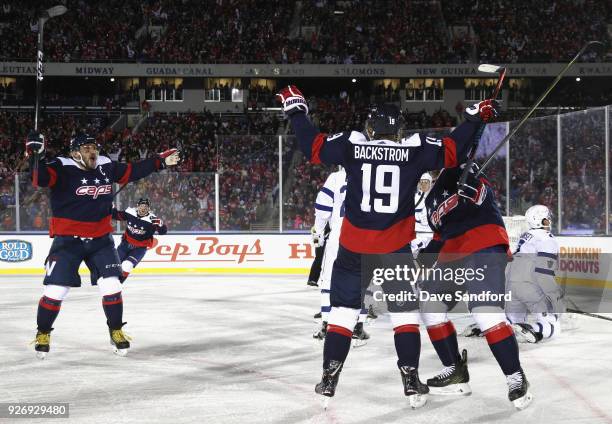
(583, 261)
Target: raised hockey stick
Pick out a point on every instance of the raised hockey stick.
(537, 103)
(489, 69)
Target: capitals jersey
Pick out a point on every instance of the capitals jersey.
(139, 230)
(460, 226)
(382, 177)
(329, 205)
(81, 199)
(535, 257)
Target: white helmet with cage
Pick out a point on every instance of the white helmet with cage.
(536, 215)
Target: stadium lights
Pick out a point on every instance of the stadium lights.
(577, 79)
(354, 80)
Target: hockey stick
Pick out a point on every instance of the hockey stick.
(535, 106)
(577, 310)
(489, 69)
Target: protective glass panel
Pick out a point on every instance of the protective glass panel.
(184, 201)
(8, 218)
(34, 206)
(533, 166)
(248, 182)
(301, 183)
(583, 172)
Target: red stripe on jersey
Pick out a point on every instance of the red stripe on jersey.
(406, 328)
(317, 143)
(52, 177)
(450, 152)
(360, 240)
(126, 176)
(472, 241)
(440, 331)
(35, 177)
(138, 243)
(498, 333)
(339, 330)
(436, 237)
(71, 227)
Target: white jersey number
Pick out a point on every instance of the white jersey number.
(391, 189)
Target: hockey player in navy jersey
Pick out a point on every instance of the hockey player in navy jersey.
(81, 194)
(141, 226)
(383, 170)
(469, 234)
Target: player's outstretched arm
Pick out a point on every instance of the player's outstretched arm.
(134, 171)
(42, 173)
(451, 151)
(118, 215)
(311, 141)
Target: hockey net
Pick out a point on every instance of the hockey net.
(515, 226)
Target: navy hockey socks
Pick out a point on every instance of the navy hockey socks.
(337, 344)
(444, 339)
(407, 345)
(48, 309)
(113, 309)
(503, 344)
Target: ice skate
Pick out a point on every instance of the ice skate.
(320, 334)
(329, 381)
(119, 341)
(526, 334)
(413, 387)
(317, 315)
(371, 313)
(360, 336)
(312, 283)
(518, 390)
(43, 341)
(472, 330)
(452, 380)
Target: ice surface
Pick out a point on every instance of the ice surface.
(239, 349)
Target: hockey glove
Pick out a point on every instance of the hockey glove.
(473, 189)
(35, 145)
(293, 100)
(170, 157)
(483, 112)
(318, 239)
(157, 222)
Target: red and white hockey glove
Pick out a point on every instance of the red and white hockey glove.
(170, 157)
(157, 222)
(35, 144)
(293, 100)
(473, 189)
(484, 111)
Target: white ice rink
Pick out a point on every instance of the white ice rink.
(239, 349)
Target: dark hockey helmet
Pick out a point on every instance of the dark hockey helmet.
(143, 201)
(384, 120)
(81, 140)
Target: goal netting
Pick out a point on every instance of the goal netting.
(515, 226)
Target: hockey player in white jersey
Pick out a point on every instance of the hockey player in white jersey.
(423, 231)
(531, 280)
(329, 210)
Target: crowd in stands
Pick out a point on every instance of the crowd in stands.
(320, 31)
(248, 168)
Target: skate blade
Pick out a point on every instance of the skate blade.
(359, 343)
(522, 403)
(120, 352)
(325, 402)
(459, 389)
(41, 355)
(417, 401)
(523, 336)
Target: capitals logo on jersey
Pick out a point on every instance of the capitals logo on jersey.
(94, 190)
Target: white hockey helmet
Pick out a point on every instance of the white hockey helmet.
(536, 215)
(425, 182)
(426, 176)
